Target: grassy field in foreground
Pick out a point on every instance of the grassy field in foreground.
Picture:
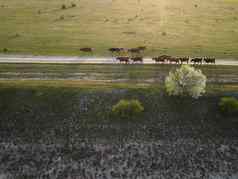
(184, 27)
(62, 128)
(53, 105)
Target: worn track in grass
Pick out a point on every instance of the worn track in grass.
(117, 73)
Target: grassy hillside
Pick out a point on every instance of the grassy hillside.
(184, 27)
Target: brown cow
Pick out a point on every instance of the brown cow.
(184, 59)
(210, 60)
(115, 50)
(137, 59)
(173, 60)
(159, 59)
(165, 57)
(86, 49)
(142, 48)
(197, 60)
(123, 59)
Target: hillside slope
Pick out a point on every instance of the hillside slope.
(184, 27)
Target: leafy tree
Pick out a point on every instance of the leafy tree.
(186, 81)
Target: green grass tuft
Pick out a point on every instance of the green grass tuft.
(229, 106)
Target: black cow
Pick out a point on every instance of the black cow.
(123, 59)
(210, 60)
(86, 49)
(142, 48)
(184, 59)
(165, 57)
(115, 50)
(159, 59)
(173, 60)
(197, 60)
(137, 59)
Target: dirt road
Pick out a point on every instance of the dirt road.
(85, 60)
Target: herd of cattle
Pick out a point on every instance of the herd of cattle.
(136, 57)
(169, 60)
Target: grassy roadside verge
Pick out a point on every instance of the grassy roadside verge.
(212, 89)
(71, 84)
(106, 73)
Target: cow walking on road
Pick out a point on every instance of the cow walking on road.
(125, 60)
(137, 59)
(209, 60)
(196, 61)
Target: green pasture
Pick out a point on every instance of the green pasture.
(184, 27)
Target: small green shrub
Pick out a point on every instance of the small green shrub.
(61, 17)
(63, 6)
(127, 109)
(73, 5)
(5, 50)
(228, 106)
(164, 33)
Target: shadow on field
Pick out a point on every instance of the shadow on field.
(70, 132)
(54, 111)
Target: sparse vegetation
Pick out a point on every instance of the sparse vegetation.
(61, 17)
(5, 50)
(63, 6)
(229, 106)
(127, 109)
(186, 81)
(73, 5)
(131, 74)
(164, 33)
(17, 35)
